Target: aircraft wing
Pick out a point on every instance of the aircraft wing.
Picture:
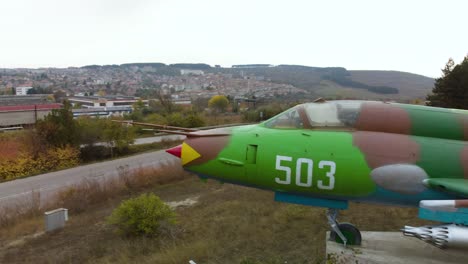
(449, 185)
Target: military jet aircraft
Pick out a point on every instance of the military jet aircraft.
(327, 153)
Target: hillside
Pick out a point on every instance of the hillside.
(409, 84)
(193, 80)
(328, 81)
(337, 82)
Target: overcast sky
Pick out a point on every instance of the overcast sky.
(413, 36)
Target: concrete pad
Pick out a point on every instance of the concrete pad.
(393, 247)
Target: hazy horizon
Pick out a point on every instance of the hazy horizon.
(212, 65)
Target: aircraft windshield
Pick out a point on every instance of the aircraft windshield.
(333, 114)
(317, 115)
(289, 119)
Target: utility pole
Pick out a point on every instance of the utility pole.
(35, 114)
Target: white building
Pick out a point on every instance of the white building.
(104, 101)
(22, 90)
(191, 72)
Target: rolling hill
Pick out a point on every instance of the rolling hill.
(409, 84)
(330, 82)
(337, 82)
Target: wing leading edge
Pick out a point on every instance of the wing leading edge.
(448, 185)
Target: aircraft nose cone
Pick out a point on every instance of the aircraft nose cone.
(201, 146)
(185, 152)
(176, 151)
(198, 150)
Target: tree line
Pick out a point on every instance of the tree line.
(451, 89)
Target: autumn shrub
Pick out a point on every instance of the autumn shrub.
(9, 146)
(26, 164)
(144, 215)
(64, 157)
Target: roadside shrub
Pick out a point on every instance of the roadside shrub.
(176, 119)
(144, 215)
(26, 165)
(194, 120)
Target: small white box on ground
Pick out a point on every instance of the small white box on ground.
(55, 219)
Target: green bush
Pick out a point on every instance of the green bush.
(144, 215)
(194, 120)
(268, 111)
(176, 119)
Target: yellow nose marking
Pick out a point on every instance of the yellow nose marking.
(188, 154)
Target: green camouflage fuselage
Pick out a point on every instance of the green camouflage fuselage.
(382, 153)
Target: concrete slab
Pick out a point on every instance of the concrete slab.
(393, 247)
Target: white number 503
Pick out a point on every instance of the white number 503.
(324, 164)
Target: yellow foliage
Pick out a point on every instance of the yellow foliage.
(26, 165)
(218, 102)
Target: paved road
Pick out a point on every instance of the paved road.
(17, 191)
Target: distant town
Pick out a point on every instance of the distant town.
(30, 94)
(130, 79)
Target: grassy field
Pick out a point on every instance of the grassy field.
(217, 223)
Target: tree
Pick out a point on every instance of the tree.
(117, 136)
(155, 119)
(91, 130)
(165, 101)
(176, 119)
(58, 129)
(199, 104)
(194, 120)
(59, 96)
(39, 90)
(219, 103)
(139, 111)
(451, 90)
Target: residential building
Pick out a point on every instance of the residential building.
(22, 90)
(104, 101)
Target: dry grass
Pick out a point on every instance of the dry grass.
(28, 208)
(79, 197)
(228, 224)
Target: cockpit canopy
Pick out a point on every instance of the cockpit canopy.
(333, 114)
